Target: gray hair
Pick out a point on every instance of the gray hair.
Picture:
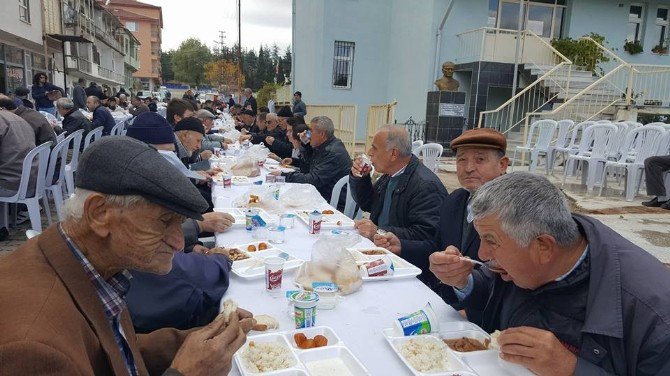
(324, 124)
(527, 206)
(247, 91)
(65, 103)
(397, 138)
(73, 207)
(272, 116)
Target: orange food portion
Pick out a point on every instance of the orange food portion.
(320, 341)
(309, 343)
(262, 246)
(251, 248)
(299, 339)
(328, 211)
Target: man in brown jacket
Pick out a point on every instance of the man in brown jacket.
(63, 310)
(44, 132)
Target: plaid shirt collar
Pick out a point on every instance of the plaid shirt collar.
(112, 292)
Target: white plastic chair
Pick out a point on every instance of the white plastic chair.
(430, 154)
(546, 129)
(31, 234)
(633, 124)
(575, 139)
(614, 149)
(33, 203)
(60, 137)
(116, 130)
(93, 135)
(562, 141)
(415, 145)
(593, 152)
(350, 204)
(71, 167)
(642, 142)
(55, 187)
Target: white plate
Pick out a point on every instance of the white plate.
(336, 220)
(253, 267)
(456, 365)
(240, 216)
(274, 168)
(402, 268)
(488, 363)
(334, 349)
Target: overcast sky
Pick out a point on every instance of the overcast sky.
(263, 22)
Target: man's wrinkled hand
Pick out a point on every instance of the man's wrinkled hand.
(366, 228)
(287, 161)
(216, 222)
(269, 140)
(449, 268)
(210, 350)
(389, 241)
(205, 155)
(538, 350)
(358, 169)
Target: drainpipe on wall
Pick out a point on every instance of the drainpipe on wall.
(438, 37)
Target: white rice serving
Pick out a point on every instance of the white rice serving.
(266, 357)
(426, 355)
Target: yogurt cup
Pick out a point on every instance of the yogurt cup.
(304, 309)
(423, 321)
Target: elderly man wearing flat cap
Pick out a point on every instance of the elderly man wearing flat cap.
(480, 157)
(63, 310)
(190, 132)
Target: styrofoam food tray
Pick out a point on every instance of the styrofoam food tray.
(240, 217)
(456, 365)
(328, 221)
(475, 333)
(272, 168)
(253, 267)
(335, 349)
(403, 268)
(488, 363)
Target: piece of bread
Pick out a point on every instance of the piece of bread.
(229, 307)
(265, 322)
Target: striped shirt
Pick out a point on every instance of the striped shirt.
(111, 294)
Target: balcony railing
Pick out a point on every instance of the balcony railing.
(82, 65)
(108, 38)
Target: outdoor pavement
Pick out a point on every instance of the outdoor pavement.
(649, 228)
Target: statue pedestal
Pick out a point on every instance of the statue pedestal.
(445, 117)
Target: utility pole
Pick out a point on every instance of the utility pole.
(239, 44)
(220, 44)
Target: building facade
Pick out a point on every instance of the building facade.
(376, 51)
(145, 21)
(22, 51)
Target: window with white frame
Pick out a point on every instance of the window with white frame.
(24, 10)
(343, 64)
(131, 26)
(543, 17)
(635, 22)
(662, 27)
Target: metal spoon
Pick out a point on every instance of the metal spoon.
(487, 264)
(381, 232)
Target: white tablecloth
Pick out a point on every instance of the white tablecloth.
(358, 319)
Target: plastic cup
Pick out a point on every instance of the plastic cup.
(315, 218)
(217, 152)
(270, 178)
(423, 321)
(227, 181)
(327, 296)
(274, 271)
(277, 234)
(304, 309)
(287, 220)
(280, 179)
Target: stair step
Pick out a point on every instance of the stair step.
(576, 74)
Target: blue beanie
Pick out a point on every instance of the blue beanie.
(151, 128)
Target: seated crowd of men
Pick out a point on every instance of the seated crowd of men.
(570, 295)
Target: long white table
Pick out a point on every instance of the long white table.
(358, 319)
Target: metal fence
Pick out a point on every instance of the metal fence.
(416, 130)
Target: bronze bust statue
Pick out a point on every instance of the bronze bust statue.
(447, 82)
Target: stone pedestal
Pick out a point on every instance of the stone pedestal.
(445, 117)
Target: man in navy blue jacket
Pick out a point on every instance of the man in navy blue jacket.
(101, 115)
(480, 157)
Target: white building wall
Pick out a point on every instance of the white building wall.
(10, 22)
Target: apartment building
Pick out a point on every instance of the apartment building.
(145, 21)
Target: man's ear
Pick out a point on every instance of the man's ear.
(97, 214)
(545, 246)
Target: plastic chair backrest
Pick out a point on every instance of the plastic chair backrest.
(60, 137)
(633, 124)
(664, 144)
(42, 154)
(415, 145)
(603, 121)
(564, 128)
(616, 145)
(596, 139)
(116, 129)
(644, 141)
(58, 152)
(92, 136)
(578, 133)
(76, 143)
(545, 135)
(350, 204)
(430, 152)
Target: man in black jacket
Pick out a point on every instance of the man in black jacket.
(250, 103)
(276, 138)
(406, 199)
(101, 115)
(330, 160)
(480, 157)
(44, 132)
(73, 119)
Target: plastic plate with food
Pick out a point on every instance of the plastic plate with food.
(254, 265)
(426, 355)
(365, 257)
(316, 351)
(330, 218)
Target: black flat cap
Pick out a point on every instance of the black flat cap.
(190, 124)
(120, 165)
